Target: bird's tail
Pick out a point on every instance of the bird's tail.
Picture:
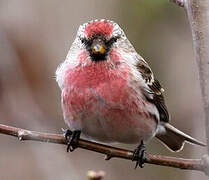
(174, 139)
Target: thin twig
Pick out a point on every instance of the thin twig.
(110, 152)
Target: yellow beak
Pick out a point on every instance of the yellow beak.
(98, 49)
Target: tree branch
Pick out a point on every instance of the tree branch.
(198, 15)
(110, 152)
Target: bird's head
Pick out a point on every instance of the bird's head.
(98, 43)
(99, 37)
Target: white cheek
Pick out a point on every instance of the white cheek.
(60, 73)
(70, 62)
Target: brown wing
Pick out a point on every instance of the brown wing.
(154, 91)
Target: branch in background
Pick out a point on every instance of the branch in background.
(198, 15)
(110, 152)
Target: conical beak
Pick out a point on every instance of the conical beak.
(98, 49)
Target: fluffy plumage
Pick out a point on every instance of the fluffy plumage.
(112, 95)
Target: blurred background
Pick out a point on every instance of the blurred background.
(35, 37)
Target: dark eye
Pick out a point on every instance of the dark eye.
(112, 40)
(84, 40)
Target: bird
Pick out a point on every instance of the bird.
(109, 93)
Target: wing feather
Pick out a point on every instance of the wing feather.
(154, 90)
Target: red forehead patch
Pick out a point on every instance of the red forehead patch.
(99, 27)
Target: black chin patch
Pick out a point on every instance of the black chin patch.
(98, 57)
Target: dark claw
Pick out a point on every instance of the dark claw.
(72, 138)
(139, 155)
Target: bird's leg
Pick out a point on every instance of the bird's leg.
(139, 155)
(72, 138)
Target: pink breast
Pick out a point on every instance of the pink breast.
(104, 94)
(104, 81)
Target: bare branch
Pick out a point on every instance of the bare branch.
(198, 15)
(110, 152)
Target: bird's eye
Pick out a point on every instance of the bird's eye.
(112, 40)
(86, 42)
(83, 40)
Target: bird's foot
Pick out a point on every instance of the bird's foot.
(139, 155)
(72, 138)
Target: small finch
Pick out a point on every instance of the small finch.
(109, 93)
